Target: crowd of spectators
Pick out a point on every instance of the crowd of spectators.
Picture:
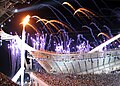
(5, 81)
(111, 79)
(103, 79)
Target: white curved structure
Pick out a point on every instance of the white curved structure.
(5, 36)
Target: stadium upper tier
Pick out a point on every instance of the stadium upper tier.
(77, 63)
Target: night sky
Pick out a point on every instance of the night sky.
(110, 9)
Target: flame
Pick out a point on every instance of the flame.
(56, 21)
(82, 11)
(104, 35)
(68, 5)
(26, 20)
(43, 21)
